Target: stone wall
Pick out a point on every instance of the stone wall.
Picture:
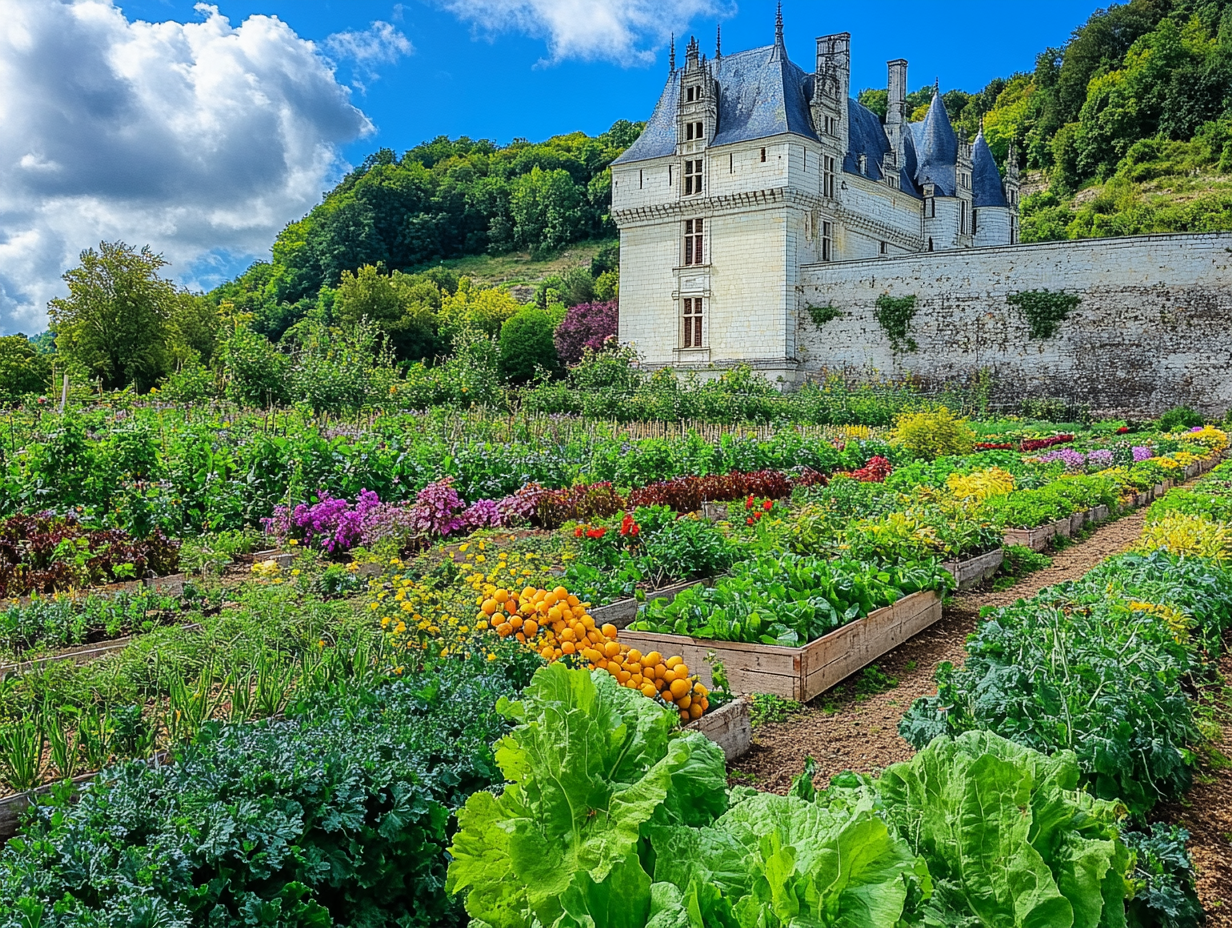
(1154, 327)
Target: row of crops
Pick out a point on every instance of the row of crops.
(324, 726)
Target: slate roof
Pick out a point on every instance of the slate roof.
(761, 94)
(985, 177)
(866, 136)
(937, 149)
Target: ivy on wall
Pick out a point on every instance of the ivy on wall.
(894, 315)
(823, 314)
(1043, 310)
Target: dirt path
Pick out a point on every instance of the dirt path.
(845, 729)
(1207, 809)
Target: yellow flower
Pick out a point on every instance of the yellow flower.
(374, 606)
(295, 573)
(462, 547)
(491, 657)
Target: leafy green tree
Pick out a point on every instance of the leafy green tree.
(526, 346)
(115, 319)
(547, 210)
(483, 309)
(22, 369)
(257, 373)
(193, 328)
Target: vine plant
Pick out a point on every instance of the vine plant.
(894, 315)
(1044, 310)
(823, 314)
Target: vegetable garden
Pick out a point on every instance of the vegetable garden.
(415, 670)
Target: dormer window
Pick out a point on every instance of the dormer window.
(830, 125)
(862, 162)
(694, 130)
(692, 93)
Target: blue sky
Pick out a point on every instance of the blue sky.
(464, 79)
(202, 129)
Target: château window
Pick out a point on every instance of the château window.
(692, 322)
(689, 94)
(827, 177)
(885, 248)
(692, 178)
(962, 217)
(763, 154)
(694, 130)
(827, 241)
(974, 213)
(693, 238)
(930, 208)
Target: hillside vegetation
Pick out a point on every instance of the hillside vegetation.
(1129, 124)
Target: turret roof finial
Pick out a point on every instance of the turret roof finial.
(778, 25)
(718, 41)
(671, 61)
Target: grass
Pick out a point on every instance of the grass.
(770, 708)
(518, 268)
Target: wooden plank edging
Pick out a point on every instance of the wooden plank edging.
(800, 673)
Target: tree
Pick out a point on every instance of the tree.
(587, 325)
(526, 346)
(547, 209)
(22, 369)
(480, 308)
(193, 329)
(115, 319)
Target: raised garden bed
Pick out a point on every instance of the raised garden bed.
(974, 571)
(1037, 538)
(730, 727)
(624, 611)
(804, 672)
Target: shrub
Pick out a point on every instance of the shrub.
(930, 435)
(1178, 418)
(257, 372)
(526, 346)
(586, 325)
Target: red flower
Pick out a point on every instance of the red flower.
(768, 505)
(628, 526)
(578, 532)
(748, 503)
(596, 533)
(1122, 430)
(750, 520)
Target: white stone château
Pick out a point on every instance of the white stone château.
(751, 170)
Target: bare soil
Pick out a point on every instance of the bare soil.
(1207, 809)
(852, 728)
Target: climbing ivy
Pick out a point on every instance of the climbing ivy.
(1043, 310)
(894, 315)
(823, 314)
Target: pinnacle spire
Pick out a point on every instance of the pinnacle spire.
(671, 61)
(778, 25)
(718, 41)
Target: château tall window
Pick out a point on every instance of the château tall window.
(692, 178)
(692, 322)
(693, 237)
(827, 177)
(694, 130)
(827, 241)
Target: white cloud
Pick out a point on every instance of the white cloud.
(200, 139)
(624, 31)
(381, 43)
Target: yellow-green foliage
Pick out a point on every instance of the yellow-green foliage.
(1180, 533)
(981, 485)
(933, 434)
